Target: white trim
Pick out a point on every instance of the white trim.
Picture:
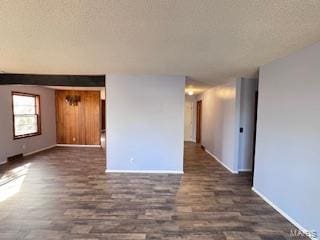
(39, 150)
(145, 171)
(245, 170)
(236, 149)
(4, 162)
(219, 161)
(77, 145)
(283, 213)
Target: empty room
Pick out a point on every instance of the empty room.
(159, 119)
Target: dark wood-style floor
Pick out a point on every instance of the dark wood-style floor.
(64, 193)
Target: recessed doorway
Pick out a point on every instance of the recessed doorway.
(199, 119)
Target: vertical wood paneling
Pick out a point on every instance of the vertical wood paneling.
(78, 124)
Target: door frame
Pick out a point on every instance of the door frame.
(254, 134)
(199, 120)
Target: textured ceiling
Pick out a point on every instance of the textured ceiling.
(206, 40)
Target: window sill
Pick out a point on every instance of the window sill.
(26, 135)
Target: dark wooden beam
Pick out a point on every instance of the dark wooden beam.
(53, 80)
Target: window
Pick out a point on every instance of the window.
(26, 115)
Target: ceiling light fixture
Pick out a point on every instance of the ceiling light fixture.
(190, 92)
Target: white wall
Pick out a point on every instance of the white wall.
(247, 117)
(10, 147)
(190, 118)
(288, 136)
(220, 123)
(145, 123)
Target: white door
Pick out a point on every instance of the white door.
(188, 110)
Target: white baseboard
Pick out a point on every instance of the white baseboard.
(283, 213)
(219, 161)
(77, 145)
(3, 162)
(145, 171)
(245, 170)
(38, 150)
(52, 146)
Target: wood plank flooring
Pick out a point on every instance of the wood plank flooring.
(64, 193)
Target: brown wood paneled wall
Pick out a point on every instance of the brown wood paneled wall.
(78, 124)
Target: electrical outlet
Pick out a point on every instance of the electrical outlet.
(131, 160)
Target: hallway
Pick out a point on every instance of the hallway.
(64, 193)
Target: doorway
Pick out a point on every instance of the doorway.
(254, 133)
(247, 112)
(103, 115)
(199, 119)
(103, 121)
